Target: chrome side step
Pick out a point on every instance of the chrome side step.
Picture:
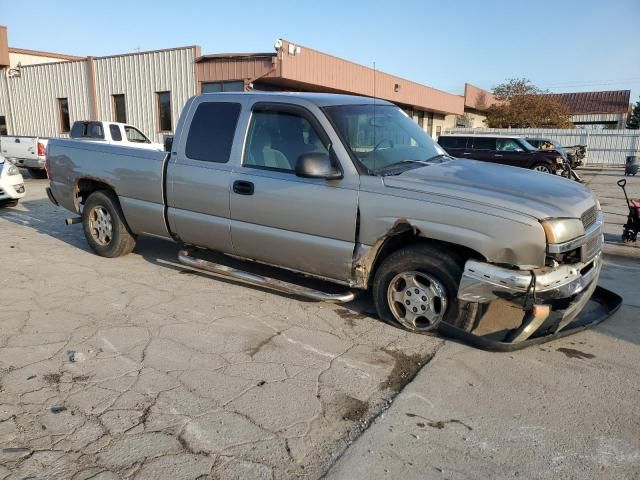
(185, 258)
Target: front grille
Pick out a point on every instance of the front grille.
(589, 217)
(591, 248)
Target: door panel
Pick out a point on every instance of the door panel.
(303, 224)
(199, 172)
(306, 224)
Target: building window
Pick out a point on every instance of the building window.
(164, 111)
(119, 108)
(63, 110)
(3, 125)
(438, 130)
(213, 87)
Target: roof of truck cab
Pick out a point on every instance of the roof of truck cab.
(320, 99)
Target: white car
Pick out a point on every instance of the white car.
(11, 184)
(113, 133)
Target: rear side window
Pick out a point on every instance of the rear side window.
(87, 130)
(116, 134)
(211, 132)
(483, 143)
(453, 142)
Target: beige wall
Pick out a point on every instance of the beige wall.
(139, 77)
(33, 96)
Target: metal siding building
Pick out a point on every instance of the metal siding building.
(139, 77)
(32, 96)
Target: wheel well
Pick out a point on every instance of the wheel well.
(411, 236)
(86, 186)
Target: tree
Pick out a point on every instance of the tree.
(520, 104)
(633, 119)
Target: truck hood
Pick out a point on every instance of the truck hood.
(536, 194)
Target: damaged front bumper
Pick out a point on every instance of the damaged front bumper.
(567, 296)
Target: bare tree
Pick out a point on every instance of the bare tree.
(523, 105)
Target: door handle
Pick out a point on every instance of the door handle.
(467, 153)
(242, 187)
(497, 155)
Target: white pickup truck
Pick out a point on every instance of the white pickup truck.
(26, 152)
(112, 133)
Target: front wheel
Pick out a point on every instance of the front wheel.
(416, 287)
(104, 226)
(542, 167)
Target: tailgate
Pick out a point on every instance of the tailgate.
(19, 147)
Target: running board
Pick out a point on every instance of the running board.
(185, 258)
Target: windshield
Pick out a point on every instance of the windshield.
(381, 135)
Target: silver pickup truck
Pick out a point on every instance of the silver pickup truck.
(347, 189)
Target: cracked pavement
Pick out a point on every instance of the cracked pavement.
(138, 368)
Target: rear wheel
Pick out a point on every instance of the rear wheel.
(104, 226)
(542, 167)
(416, 288)
(38, 173)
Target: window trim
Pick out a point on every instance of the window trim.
(61, 115)
(158, 116)
(277, 107)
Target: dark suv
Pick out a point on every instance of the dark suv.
(515, 151)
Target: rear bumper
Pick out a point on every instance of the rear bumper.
(29, 162)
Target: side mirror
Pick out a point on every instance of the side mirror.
(317, 165)
(168, 143)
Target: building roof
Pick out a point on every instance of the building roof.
(40, 53)
(581, 103)
(296, 67)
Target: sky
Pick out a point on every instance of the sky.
(561, 45)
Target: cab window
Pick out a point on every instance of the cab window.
(134, 135)
(508, 145)
(482, 143)
(277, 139)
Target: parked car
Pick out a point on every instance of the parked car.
(573, 154)
(11, 184)
(112, 133)
(504, 149)
(348, 189)
(25, 152)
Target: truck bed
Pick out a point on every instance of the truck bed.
(136, 175)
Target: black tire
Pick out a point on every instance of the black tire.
(9, 203)
(114, 241)
(543, 167)
(38, 173)
(439, 265)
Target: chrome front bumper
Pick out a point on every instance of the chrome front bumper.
(482, 282)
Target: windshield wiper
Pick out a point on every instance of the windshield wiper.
(401, 162)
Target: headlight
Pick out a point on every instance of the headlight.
(560, 230)
(13, 170)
